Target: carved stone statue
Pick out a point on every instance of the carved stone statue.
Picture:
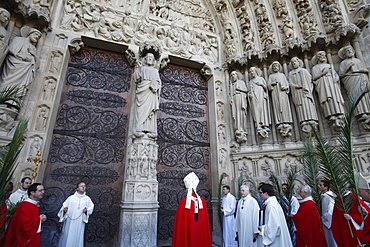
(4, 36)
(258, 98)
(301, 86)
(49, 89)
(35, 146)
(56, 58)
(239, 103)
(21, 63)
(287, 27)
(355, 78)
(279, 87)
(42, 118)
(148, 90)
(328, 88)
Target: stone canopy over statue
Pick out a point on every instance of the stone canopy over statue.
(148, 89)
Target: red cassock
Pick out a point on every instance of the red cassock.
(308, 224)
(190, 233)
(22, 230)
(365, 234)
(3, 209)
(340, 227)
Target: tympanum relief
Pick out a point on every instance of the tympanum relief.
(182, 28)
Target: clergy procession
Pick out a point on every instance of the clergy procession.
(25, 225)
(246, 222)
(289, 219)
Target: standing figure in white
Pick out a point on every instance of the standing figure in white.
(75, 214)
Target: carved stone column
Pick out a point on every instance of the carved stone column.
(138, 226)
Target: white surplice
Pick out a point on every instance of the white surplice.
(275, 232)
(228, 206)
(246, 222)
(75, 220)
(327, 206)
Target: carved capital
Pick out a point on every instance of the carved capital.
(75, 45)
(206, 71)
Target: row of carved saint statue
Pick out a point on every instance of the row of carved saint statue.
(300, 84)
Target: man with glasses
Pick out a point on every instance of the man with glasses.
(274, 231)
(25, 226)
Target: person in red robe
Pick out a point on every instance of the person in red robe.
(341, 223)
(364, 236)
(3, 209)
(364, 192)
(192, 227)
(25, 226)
(307, 221)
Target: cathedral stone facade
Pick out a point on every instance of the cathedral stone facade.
(130, 96)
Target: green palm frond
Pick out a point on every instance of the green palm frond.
(276, 184)
(11, 95)
(333, 169)
(311, 173)
(291, 179)
(8, 156)
(337, 159)
(345, 147)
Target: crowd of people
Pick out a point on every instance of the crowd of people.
(249, 222)
(263, 220)
(25, 225)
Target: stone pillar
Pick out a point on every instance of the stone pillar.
(139, 207)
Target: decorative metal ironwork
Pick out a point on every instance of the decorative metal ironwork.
(183, 141)
(99, 70)
(88, 144)
(184, 110)
(93, 175)
(90, 98)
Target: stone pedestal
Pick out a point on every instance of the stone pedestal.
(139, 208)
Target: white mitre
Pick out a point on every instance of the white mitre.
(363, 181)
(191, 182)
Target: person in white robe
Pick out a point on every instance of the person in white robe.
(75, 214)
(228, 220)
(327, 206)
(20, 194)
(275, 231)
(246, 221)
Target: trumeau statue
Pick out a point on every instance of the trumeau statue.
(300, 81)
(21, 62)
(328, 88)
(148, 89)
(259, 102)
(239, 104)
(279, 87)
(355, 77)
(4, 36)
